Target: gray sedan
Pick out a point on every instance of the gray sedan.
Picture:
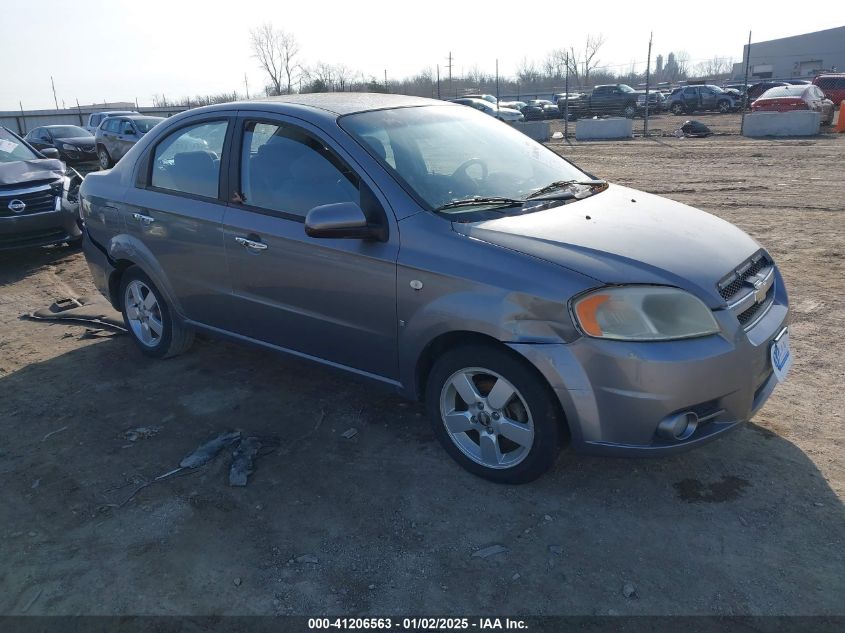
(427, 247)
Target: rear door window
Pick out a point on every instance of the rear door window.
(188, 160)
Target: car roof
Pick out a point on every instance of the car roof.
(137, 117)
(340, 103)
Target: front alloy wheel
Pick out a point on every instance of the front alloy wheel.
(486, 418)
(494, 414)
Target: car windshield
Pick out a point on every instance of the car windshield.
(146, 124)
(716, 89)
(783, 91)
(443, 154)
(68, 131)
(11, 149)
(626, 88)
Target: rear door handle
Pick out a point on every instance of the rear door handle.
(143, 219)
(251, 244)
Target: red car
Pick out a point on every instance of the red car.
(801, 97)
(833, 87)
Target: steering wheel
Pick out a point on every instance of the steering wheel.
(461, 171)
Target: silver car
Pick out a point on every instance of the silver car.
(427, 247)
(117, 134)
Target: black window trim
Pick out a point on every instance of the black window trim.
(144, 176)
(245, 117)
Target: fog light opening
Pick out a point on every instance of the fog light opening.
(678, 427)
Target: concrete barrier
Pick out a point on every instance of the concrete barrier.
(797, 123)
(596, 129)
(538, 130)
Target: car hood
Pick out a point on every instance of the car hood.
(622, 235)
(81, 141)
(21, 172)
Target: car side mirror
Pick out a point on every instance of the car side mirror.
(342, 220)
(50, 152)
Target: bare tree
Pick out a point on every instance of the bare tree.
(591, 50)
(554, 66)
(343, 76)
(526, 71)
(277, 52)
(714, 67)
(682, 60)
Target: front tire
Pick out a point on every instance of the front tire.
(494, 414)
(148, 318)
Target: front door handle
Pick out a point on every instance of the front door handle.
(251, 244)
(143, 219)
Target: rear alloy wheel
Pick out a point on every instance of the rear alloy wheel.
(104, 158)
(630, 111)
(493, 414)
(677, 109)
(148, 318)
(724, 107)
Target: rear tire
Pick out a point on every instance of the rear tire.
(512, 430)
(105, 159)
(677, 109)
(149, 319)
(724, 106)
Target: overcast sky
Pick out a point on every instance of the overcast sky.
(119, 50)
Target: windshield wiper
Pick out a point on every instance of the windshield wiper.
(560, 184)
(481, 200)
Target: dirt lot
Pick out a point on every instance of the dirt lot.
(384, 522)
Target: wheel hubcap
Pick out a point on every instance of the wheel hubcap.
(487, 418)
(143, 313)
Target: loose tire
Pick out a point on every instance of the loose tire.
(104, 158)
(494, 414)
(148, 318)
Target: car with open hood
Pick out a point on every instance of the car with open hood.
(38, 204)
(431, 249)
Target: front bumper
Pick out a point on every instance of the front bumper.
(615, 394)
(38, 229)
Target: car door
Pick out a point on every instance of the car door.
(691, 98)
(333, 299)
(174, 215)
(127, 136)
(708, 98)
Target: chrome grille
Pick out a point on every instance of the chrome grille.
(40, 201)
(749, 289)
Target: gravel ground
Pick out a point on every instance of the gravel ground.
(383, 522)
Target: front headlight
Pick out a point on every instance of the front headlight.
(643, 313)
(70, 148)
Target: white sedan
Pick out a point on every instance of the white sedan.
(505, 114)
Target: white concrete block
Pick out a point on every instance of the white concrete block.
(595, 129)
(796, 123)
(538, 130)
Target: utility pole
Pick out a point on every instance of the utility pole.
(438, 81)
(22, 127)
(450, 73)
(745, 90)
(497, 82)
(53, 83)
(566, 102)
(385, 81)
(246, 86)
(79, 109)
(647, 73)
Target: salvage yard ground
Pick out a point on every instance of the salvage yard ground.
(384, 522)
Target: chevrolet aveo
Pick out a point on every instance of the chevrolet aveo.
(432, 248)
